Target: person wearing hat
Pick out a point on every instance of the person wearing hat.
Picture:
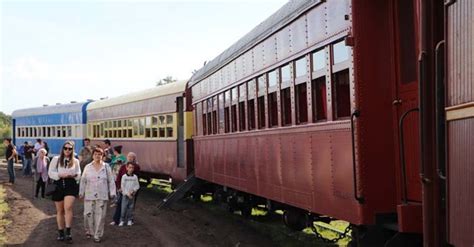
(40, 166)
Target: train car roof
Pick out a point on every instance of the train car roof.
(279, 19)
(52, 109)
(167, 89)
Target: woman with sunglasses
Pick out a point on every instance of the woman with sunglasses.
(66, 172)
(97, 186)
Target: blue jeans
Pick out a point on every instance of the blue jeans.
(118, 208)
(127, 208)
(11, 171)
(27, 166)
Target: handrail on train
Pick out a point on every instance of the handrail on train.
(360, 199)
(402, 154)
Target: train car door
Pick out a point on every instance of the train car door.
(459, 37)
(406, 115)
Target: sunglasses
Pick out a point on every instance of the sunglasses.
(67, 149)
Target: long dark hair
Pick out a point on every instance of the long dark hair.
(62, 156)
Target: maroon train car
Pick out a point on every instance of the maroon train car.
(447, 121)
(315, 110)
(460, 122)
(155, 123)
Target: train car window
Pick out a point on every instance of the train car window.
(261, 112)
(119, 133)
(318, 88)
(148, 125)
(407, 44)
(169, 131)
(319, 60)
(272, 110)
(35, 131)
(272, 79)
(148, 132)
(115, 124)
(154, 132)
(106, 125)
(261, 86)
(141, 126)
(243, 92)
(129, 133)
(242, 98)
(64, 130)
(226, 120)
(209, 123)
(43, 131)
(119, 124)
(69, 131)
(154, 120)
(204, 125)
(234, 118)
(214, 115)
(214, 122)
(301, 67)
(162, 132)
(301, 103)
(340, 52)
(209, 116)
(221, 114)
(235, 94)
(285, 73)
(169, 119)
(285, 96)
(242, 116)
(251, 113)
(341, 94)
(135, 127)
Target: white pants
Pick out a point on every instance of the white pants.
(94, 217)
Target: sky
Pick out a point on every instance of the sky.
(61, 51)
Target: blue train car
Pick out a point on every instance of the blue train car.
(54, 124)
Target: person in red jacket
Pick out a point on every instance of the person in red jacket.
(131, 159)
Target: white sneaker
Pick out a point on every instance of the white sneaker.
(121, 223)
(129, 223)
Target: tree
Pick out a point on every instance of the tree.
(166, 80)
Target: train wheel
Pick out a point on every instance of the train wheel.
(295, 219)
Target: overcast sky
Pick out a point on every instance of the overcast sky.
(62, 51)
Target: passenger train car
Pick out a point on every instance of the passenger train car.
(354, 110)
(327, 108)
(53, 124)
(155, 123)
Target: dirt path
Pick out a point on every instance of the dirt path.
(185, 224)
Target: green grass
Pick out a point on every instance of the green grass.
(3, 210)
(283, 237)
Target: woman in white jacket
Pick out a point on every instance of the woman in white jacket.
(97, 186)
(66, 172)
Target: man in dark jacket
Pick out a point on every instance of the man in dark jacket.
(10, 153)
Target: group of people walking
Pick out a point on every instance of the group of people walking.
(96, 177)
